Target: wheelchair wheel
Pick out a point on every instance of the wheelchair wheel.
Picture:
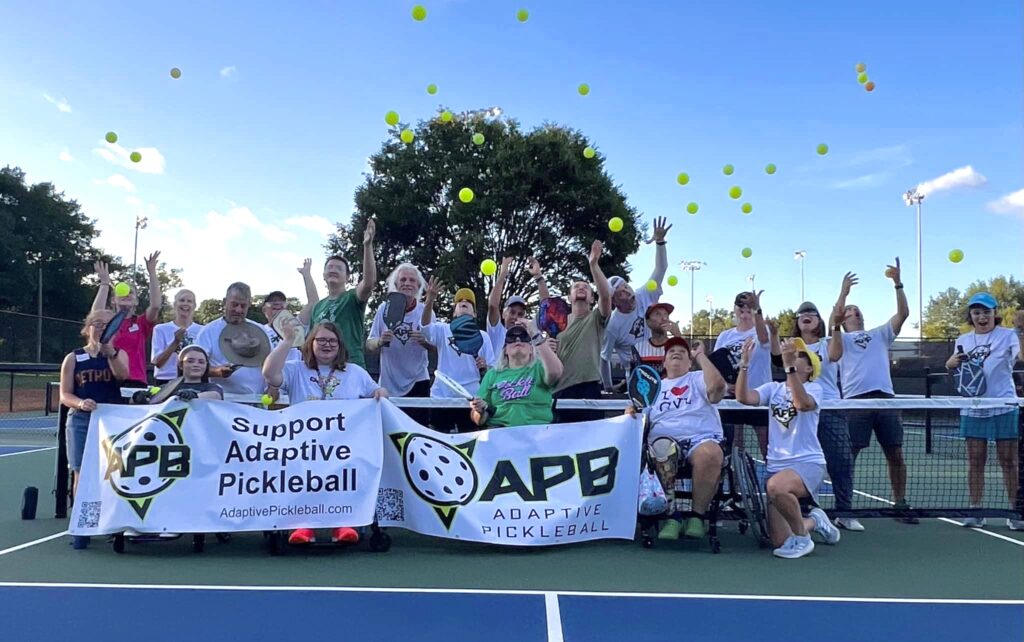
(277, 542)
(380, 542)
(119, 543)
(754, 504)
(646, 540)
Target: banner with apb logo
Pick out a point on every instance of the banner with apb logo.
(524, 485)
(213, 467)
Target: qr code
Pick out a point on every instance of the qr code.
(89, 516)
(391, 505)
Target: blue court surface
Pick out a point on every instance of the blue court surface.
(197, 613)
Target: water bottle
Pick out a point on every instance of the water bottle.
(28, 503)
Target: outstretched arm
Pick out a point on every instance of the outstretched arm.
(660, 251)
(538, 277)
(713, 380)
(744, 394)
(312, 296)
(604, 291)
(365, 287)
(103, 293)
(433, 287)
(902, 308)
(759, 324)
(801, 400)
(835, 323)
(498, 291)
(156, 297)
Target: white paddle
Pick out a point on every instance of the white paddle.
(452, 384)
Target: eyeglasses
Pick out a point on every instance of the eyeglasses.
(326, 343)
(99, 325)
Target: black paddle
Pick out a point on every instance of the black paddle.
(394, 312)
(969, 378)
(112, 327)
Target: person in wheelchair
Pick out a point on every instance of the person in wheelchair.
(795, 461)
(685, 429)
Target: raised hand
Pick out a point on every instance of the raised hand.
(849, 280)
(369, 232)
(697, 349)
(434, 286)
(756, 301)
(151, 262)
(533, 265)
(307, 268)
(893, 272)
(102, 271)
(660, 230)
(595, 251)
(747, 352)
(788, 352)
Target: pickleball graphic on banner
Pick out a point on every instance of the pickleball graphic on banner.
(442, 475)
(146, 459)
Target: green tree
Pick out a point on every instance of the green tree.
(720, 320)
(535, 194)
(785, 323)
(209, 310)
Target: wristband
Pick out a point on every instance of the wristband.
(899, 286)
(490, 410)
(791, 370)
(661, 242)
(837, 328)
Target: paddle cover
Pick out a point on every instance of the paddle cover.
(466, 335)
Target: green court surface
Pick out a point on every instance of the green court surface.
(933, 560)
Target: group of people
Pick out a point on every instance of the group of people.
(512, 373)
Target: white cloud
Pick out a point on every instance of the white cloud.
(892, 155)
(133, 200)
(66, 156)
(61, 104)
(228, 72)
(316, 224)
(152, 162)
(962, 177)
(120, 181)
(1012, 203)
(867, 180)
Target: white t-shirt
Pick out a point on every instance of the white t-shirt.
(829, 370)
(625, 329)
(865, 364)
(496, 335)
(682, 409)
(305, 384)
(996, 353)
(163, 336)
(760, 371)
(792, 435)
(458, 365)
(404, 361)
(245, 380)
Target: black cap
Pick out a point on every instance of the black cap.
(276, 295)
(807, 306)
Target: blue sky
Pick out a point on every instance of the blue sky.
(260, 145)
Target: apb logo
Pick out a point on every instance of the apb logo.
(862, 340)
(442, 475)
(144, 460)
(784, 413)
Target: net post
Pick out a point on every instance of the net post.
(10, 399)
(61, 485)
(927, 411)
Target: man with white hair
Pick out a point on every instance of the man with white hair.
(627, 324)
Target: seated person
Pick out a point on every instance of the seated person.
(518, 391)
(795, 461)
(685, 425)
(323, 373)
(194, 370)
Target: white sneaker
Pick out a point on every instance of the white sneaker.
(794, 547)
(849, 523)
(1015, 524)
(824, 527)
(973, 522)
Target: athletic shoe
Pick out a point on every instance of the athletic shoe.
(670, 530)
(695, 528)
(1015, 524)
(973, 522)
(903, 505)
(849, 523)
(345, 535)
(302, 536)
(824, 527)
(795, 546)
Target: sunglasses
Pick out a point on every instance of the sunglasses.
(516, 338)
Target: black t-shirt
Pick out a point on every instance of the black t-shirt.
(202, 387)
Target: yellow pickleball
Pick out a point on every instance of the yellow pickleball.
(747, 252)
(122, 289)
(728, 170)
(135, 157)
(747, 208)
(673, 280)
(488, 267)
(431, 89)
(478, 139)
(735, 192)
(588, 152)
(466, 195)
(419, 12)
(154, 390)
(683, 178)
(266, 400)
(769, 168)
(446, 116)
(652, 285)
(391, 118)
(407, 136)
(692, 208)
(615, 224)
(111, 137)
(822, 149)
(175, 73)
(584, 89)
(522, 15)
(862, 78)
(956, 256)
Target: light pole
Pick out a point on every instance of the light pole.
(799, 255)
(913, 199)
(38, 259)
(140, 224)
(711, 312)
(691, 267)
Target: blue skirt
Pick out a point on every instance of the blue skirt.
(997, 428)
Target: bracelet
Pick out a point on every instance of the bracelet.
(660, 242)
(81, 402)
(899, 286)
(837, 328)
(744, 368)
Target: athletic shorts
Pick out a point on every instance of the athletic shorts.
(811, 474)
(998, 428)
(885, 424)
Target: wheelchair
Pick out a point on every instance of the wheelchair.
(738, 497)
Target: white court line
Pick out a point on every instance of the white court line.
(554, 617)
(983, 531)
(539, 593)
(19, 547)
(28, 452)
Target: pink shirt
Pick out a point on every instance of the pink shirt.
(132, 337)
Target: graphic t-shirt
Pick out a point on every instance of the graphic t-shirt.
(453, 362)
(579, 348)
(792, 435)
(163, 336)
(865, 364)
(520, 396)
(682, 410)
(625, 329)
(245, 380)
(996, 352)
(305, 384)
(131, 337)
(94, 379)
(829, 370)
(403, 362)
(760, 371)
(347, 312)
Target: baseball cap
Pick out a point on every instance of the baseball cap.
(676, 341)
(984, 299)
(807, 306)
(744, 298)
(667, 307)
(276, 295)
(465, 294)
(616, 282)
(515, 300)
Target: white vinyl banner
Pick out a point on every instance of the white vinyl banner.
(213, 467)
(524, 485)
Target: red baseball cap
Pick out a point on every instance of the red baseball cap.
(667, 307)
